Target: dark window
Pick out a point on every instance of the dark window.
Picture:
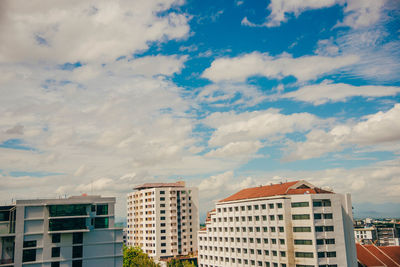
(77, 263)
(77, 238)
(319, 228)
(279, 205)
(101, 222)
(56, 238)
(317, 204)
(67, 224)
(329, 228)
(300, 204)
(302, 242)
(317, 216)
(162, 192)
(301, 216)
(328, 216)
(302, 229)
(331, 254)
(320, 241)
(29, 255)
(102, 209)
(330, 241)
(77, 251)
(55, 252)
(30, 244)
(93, 208)
(55, 264)
(67, 210)
(304, 255)
(321, 254)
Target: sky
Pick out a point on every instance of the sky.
(99, 96)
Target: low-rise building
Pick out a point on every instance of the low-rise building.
(292, 224)
(74, 232)
(365, 235)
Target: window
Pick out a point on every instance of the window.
(56, 238)
(29, 255)
(162, 198)
(282, 241)
(317, 216)
(281, 229)
(55, 264)
(55, 252)
(77, 251)
(101, 222)
(77, 238)
(283, 253)
(302, 242)
(331, 254)
(319, 228)
(30, 244)
(329, 228)
(300, 204)
(304, 255)
(77, 263)
(279, 205)
(301, 216)
(317, 203)
(163, 251)
(263, 206)
(102, 209)
(271, 206)
(256, 207)
(280, 217)
(162, 192)
(330, 241)
(67, 224)
(320, 241)
(328, 216)
(271, 217)
(67, 210)
(321, 254)
(302, 229)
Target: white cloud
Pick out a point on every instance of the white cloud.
(281, 8)
(107, 30)
(381, 127)
(303, 68)
(230, 94)
(257, 125)
(319, 94)
(362, 13)
(236, 150)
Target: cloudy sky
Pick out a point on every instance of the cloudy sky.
(98, 96)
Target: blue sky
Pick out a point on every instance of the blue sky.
(222, 94)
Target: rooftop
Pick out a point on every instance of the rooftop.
(371, 255)
(289, 188)
(158, 185)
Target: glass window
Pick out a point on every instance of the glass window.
(329, 228)
(317, 216)
(67, 210)
(77, 238)
(77, 263)
(279, 205)
(302, 229)
(30, 244)
(102, 209)
(320, 241)
(271, 206)
(319, 228)
(56, 238)
(300, 204)
(162, 192)
(301, 216)
(29, 255)
(304, 255)
(302, 242)
(317, 203)
(328, 216)
(77, 251)
(67, 224)
(55, 264)
(321, 254)
(331, 254)
(101, 222)
(330, 241)
(55, 252)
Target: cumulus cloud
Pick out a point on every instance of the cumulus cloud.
(362, 13)
(381, 127)
(256, 125)
(107, 30)
(236, 149)
(302, 68)
(319, 94)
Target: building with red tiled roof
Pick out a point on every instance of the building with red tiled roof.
(285, 224)
(378, 256)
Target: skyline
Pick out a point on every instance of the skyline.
(222, 94)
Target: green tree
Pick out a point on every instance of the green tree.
(135, 257)
(180, 263)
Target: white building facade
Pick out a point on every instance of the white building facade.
(366, 235)
(285, 225)
(163, 219)
(72, 232)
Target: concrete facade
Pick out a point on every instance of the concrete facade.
(163, 219)
(300, 229)
(77, 231)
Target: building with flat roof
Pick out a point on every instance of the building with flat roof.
(76, 231)
(286, 225)
(163, 219)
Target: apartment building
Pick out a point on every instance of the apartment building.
(365, 235)
(163, 219)
(71, 232)
(280, 225)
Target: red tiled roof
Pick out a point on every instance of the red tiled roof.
(371, 255)
(274, 190)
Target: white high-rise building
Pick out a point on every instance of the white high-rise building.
(292, 224)
(163, 219)
(72, 232)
